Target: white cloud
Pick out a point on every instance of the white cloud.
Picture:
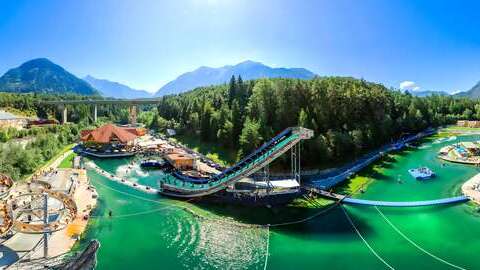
(409, 85)
(453, 92)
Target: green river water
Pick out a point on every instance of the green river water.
(150, 232)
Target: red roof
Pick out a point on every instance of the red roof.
(108, 133)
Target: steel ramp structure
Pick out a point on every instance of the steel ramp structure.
(264, 155)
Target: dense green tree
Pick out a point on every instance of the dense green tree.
(348, 116)
(250, 138)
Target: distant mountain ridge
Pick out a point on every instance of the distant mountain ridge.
(248, 70)
(427, 93)
(474, 92)
(116, 90)
(43, 76)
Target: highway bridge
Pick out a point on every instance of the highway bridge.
(131, 103)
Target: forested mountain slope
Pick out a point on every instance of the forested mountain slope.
(349, 116)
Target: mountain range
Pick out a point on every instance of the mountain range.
(42, 76)
(474, 92)
(248, 70)
(116, 90)
(426, 93)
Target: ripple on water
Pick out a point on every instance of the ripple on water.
(131, 170)
(424, 146)
(209, 244)
(446, 139)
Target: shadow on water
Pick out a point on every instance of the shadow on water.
(409, 211)
(257, 215)
(331, 222)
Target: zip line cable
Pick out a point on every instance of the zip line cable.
(365, 241)
(415, 244)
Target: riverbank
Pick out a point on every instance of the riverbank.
(334, 178)
(471, 189)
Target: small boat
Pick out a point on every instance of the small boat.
(152, 163)
(422, 173)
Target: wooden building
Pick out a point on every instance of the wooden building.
(181, 160)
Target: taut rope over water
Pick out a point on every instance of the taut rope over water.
(415, 244)
(365, 241)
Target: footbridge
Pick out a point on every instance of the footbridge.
(348, 200)
(444, 201)
(264, 155)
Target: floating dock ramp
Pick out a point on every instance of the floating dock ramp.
(268, 152)
(453, 200)
(348, 200)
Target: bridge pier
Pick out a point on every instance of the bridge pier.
(132, 115)
(45, 225)
(63, 108)
(95, 113)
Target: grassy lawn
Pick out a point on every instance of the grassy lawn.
(362, 179)
(213, 151)
(67, 162)
(65, 149)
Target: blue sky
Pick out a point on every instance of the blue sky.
(430, 44)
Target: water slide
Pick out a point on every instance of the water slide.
(265, 154)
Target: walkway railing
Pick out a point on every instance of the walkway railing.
(247, 166)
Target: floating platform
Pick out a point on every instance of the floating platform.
(422, 173)
(153, 163)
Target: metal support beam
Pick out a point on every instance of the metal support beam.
(266, 176)
(95, 113)
(295, 162)
(132, 113)
(45, 225)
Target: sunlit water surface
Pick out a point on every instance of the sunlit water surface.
(150, 232)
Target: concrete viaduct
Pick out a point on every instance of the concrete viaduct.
(131, 103)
